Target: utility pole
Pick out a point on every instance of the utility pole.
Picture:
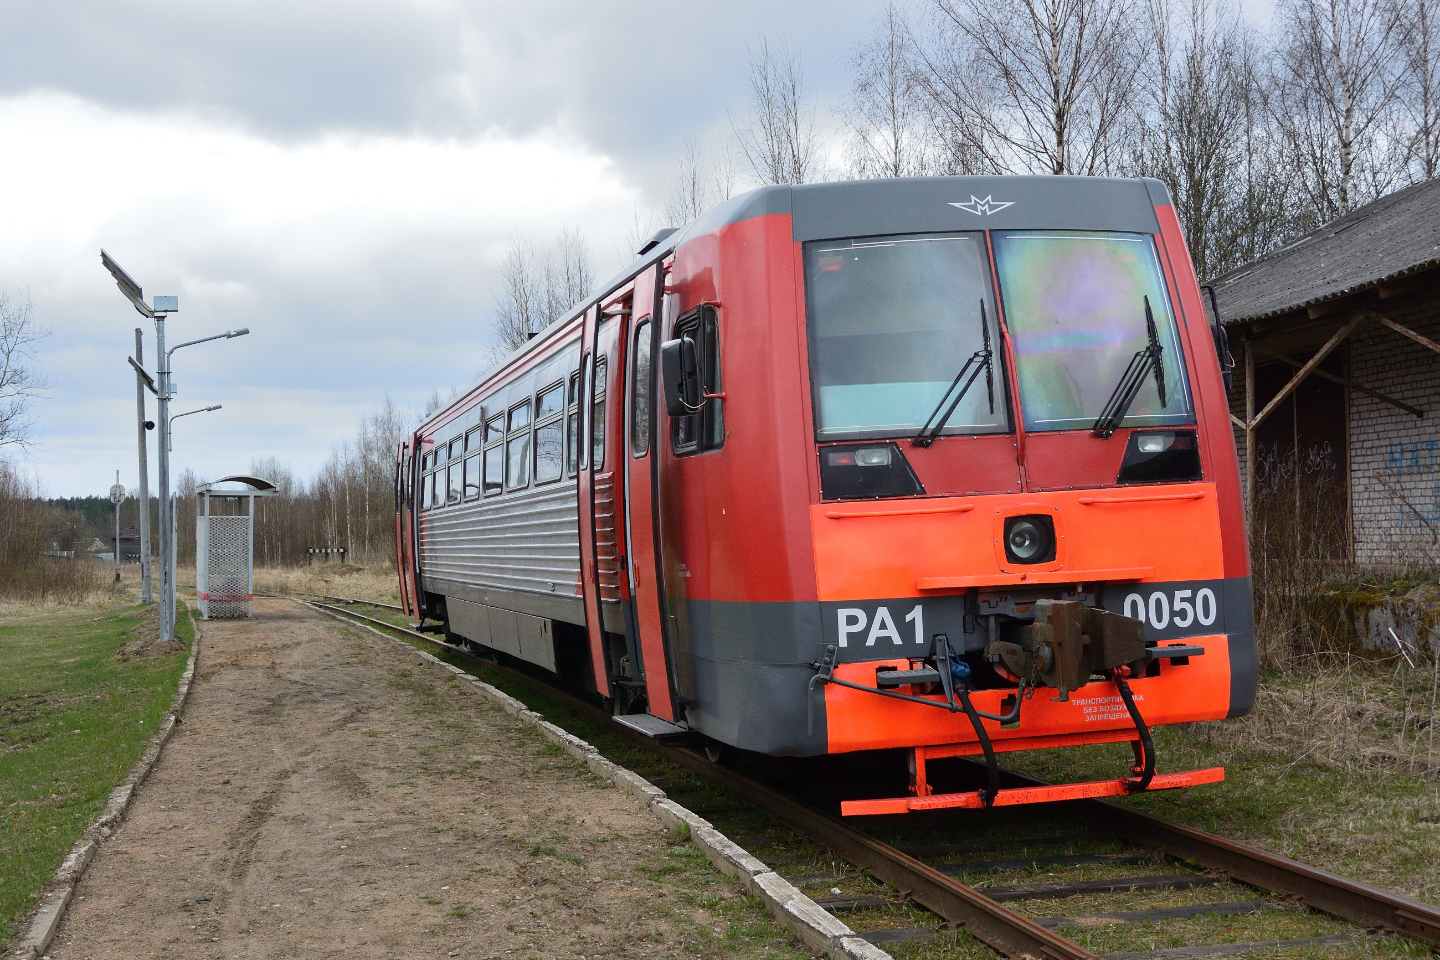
(146, 595)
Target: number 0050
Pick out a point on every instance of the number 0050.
(1161, 610)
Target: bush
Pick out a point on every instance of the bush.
(30, 529)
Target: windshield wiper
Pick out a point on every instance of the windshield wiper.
(1142, 365)
(980, 360)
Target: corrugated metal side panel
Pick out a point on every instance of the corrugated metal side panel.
(607, 537)
(529, 542)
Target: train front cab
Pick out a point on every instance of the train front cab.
(1062, 550)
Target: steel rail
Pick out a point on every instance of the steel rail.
(988, 920)
(1316, 888)
(368, 603)
(954, 902)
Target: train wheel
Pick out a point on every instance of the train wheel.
(719, 753)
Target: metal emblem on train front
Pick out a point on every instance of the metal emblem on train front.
(984, 208)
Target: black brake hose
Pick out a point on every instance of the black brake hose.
(1146, 744)
(992, 767)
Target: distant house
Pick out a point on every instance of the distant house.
(1336, 387)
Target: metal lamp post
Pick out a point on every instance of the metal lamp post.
(164, 391)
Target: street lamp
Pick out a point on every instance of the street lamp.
(162, 307)
(186, 414)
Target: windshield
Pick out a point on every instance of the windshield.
(1075, 309)
(891, 322)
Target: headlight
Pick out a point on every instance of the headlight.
(1154, 442)
(872, 457)
(1030, 539)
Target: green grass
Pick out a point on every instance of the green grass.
(73, 720)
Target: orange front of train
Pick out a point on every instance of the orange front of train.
(981, 484)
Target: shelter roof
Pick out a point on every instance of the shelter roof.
(257, 486)
(1390, 238)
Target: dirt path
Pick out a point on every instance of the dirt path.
(330, 795)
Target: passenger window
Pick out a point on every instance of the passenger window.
(493, 460)
(550, 434)
(640, 393)
(551, 401)
(706, 429)
(520, 417)
(472, 476)
(436, 486)
(456, 482)
(494, 481)
(425, 501)
(572, 429)
(457, 449)
(517, 448)
(472, 440)
(597, 417)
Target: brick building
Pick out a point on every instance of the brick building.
(1335, 395)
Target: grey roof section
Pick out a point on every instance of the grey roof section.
(1390, 238)
(851, 208)
(827, 211)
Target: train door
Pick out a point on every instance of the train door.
(403, 554)
(642, 508)
(589, 575)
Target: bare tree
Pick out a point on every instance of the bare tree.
(778, 138)
(884, 111)
(537, 289)
(20, 384)
(1033, 86)
(522, 298)
(644, 222)
(1420, 88)
(1337, 86)
(1265, 212)
(568, 275)
(1195, 138)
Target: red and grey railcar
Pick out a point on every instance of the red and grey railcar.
(937, 464)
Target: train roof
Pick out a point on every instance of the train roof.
(855, 208)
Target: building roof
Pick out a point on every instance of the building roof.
(1392, 237)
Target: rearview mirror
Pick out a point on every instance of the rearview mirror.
(680, 373)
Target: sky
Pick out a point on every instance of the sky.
(343, 179)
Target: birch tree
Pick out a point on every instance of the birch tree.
(884, 112)
(778, 137)
(1033, 86)
(20, 383)
(1337, 84)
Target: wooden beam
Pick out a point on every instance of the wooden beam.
(1406, 332)
(1310, 365)
(1237, 421)
(1250, 430)
(1325, 375)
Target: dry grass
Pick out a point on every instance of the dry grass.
(331, 579)
(1351, 714)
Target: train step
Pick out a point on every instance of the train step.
(661, 731)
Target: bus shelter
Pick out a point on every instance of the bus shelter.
(225, 545)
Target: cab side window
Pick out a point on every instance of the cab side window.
(706, 429)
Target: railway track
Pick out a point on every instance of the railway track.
(1126, 878)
